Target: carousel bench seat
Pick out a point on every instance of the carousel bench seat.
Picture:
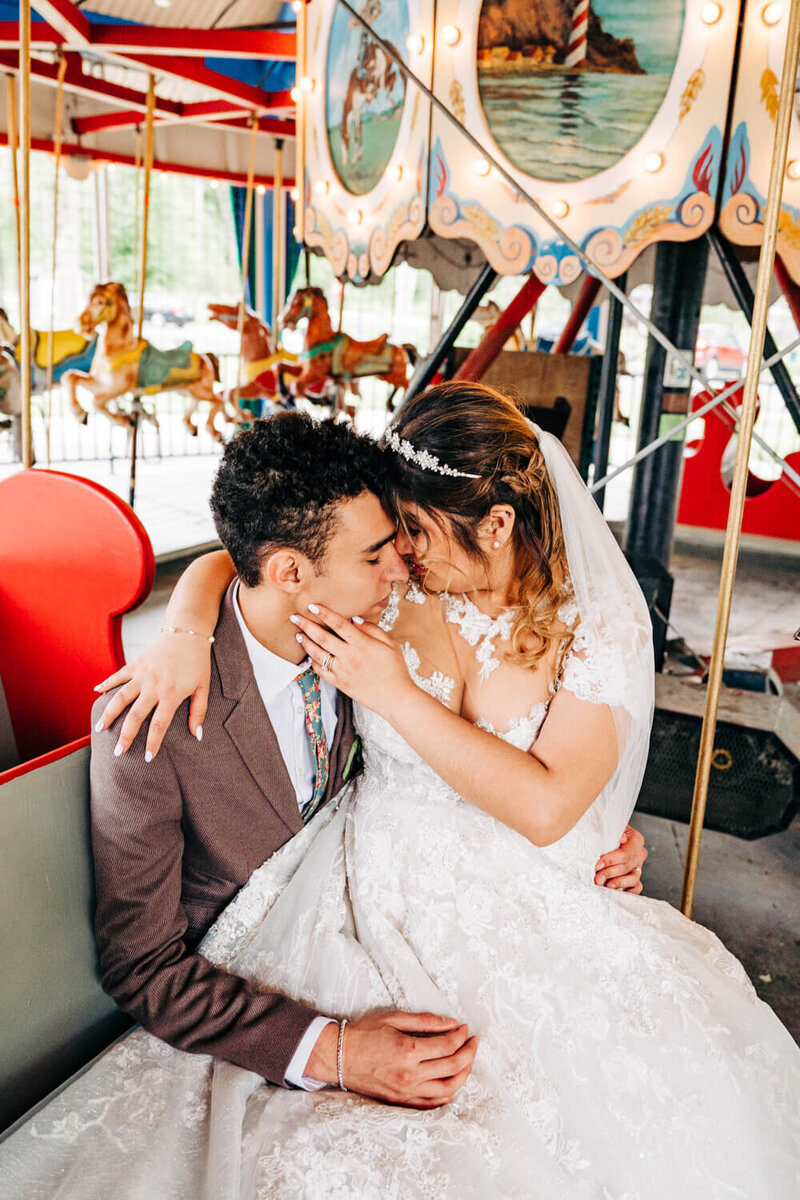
(73, 559)
(54, 1015)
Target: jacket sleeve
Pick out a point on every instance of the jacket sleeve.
(140, 925)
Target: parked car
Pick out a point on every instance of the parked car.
(166, 312)
(718, 352)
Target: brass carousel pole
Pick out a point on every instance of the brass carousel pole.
(747, 417)
(136, 407)
(13, 146)
(25, 229)
(248, 222)
(57, 140)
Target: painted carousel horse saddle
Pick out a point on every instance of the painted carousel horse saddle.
(350, 357)
(157, 367)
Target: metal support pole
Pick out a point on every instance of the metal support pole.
(580, 311)
(148, 169)
(429, 366)
(13, 144)
(748, 419)
(260, 252)
(481, 358)
(278, 240)
(607, 391)
(25, 228)
(740, 286)
(245, 257)
(677, 296)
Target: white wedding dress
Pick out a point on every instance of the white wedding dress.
(624, 1055)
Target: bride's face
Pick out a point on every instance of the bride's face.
(430, 545)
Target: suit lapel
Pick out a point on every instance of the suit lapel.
(342, 743)
(251, 732)
(247, 724)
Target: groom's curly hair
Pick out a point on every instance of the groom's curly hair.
(280, 484)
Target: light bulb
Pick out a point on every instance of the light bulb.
(110, 166)
(711, 14)
(772, 13)
(793, 168)
(395, 172)
(481, 166)
(294, 93)
(653, 162)
(354, 216)
(261, 189)
(295, 194)
(451, 34)
(560, 208)
(163, 3)
(322, 187)
(307, 84)
(415, 43)
(213, 183)
(297, 5)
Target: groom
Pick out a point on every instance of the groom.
(296, 505)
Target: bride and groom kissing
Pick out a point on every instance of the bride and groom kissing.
(425, 931)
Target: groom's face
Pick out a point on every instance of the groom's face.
(361, 562)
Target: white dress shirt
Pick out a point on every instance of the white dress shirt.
(283, 700)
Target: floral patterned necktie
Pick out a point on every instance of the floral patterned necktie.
(312, 700)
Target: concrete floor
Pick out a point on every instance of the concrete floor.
(748, 892)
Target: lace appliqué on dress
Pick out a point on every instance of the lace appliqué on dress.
(438, 685)
(478, 629)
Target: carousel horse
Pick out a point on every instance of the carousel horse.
(124, 364)
(71, 352)
(262, 363)
(335, 355)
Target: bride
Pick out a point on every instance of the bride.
(505, 708)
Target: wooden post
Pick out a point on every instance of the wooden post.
(278, 240)
(248, 222)
(13, 145)
(57, 139)
(148, 170)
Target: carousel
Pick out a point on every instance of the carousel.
(585, 147)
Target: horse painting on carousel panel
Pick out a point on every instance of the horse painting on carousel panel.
(125, 365)
(329, 355)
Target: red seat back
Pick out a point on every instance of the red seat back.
(73, 559)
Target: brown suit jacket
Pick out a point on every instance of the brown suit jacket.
(174, 840)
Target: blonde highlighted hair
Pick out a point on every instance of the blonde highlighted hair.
(478, 431)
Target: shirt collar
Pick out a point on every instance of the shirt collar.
(272, 673)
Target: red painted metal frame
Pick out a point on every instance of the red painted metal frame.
(580, 311)
(238, 179)
(226, 115)
(67, 19)
(43, 760)
(159, 39)
(492, 342)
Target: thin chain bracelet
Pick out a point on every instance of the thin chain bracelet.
(339, 1049)
(173, 629)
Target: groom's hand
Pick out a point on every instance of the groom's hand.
(622, 868)
(415, 1059)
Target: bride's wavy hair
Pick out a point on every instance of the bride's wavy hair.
(476, 430)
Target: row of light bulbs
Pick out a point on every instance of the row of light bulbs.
(771, 14)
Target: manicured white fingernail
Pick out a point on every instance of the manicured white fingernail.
(199, 734)
(298, 637)
(294, 619)
(99, 727)
(117, 750)
(357, 620)
(148, 757)
(314, 608)
(98, 687)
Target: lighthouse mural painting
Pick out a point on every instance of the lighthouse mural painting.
(594, 73)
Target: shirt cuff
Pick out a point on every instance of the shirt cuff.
(295, 1072)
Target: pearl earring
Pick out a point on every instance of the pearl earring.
(496, 545)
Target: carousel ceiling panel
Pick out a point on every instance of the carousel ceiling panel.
(610, 115)
(365, 134)
(755, 110)
(188, 14)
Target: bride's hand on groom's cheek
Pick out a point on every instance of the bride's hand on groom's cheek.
(621, 869)
(358, 658)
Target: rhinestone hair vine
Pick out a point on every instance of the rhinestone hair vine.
(421, 458)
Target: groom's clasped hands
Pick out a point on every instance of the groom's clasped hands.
(415, 1059)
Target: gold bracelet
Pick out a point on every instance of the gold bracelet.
(173, 629)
